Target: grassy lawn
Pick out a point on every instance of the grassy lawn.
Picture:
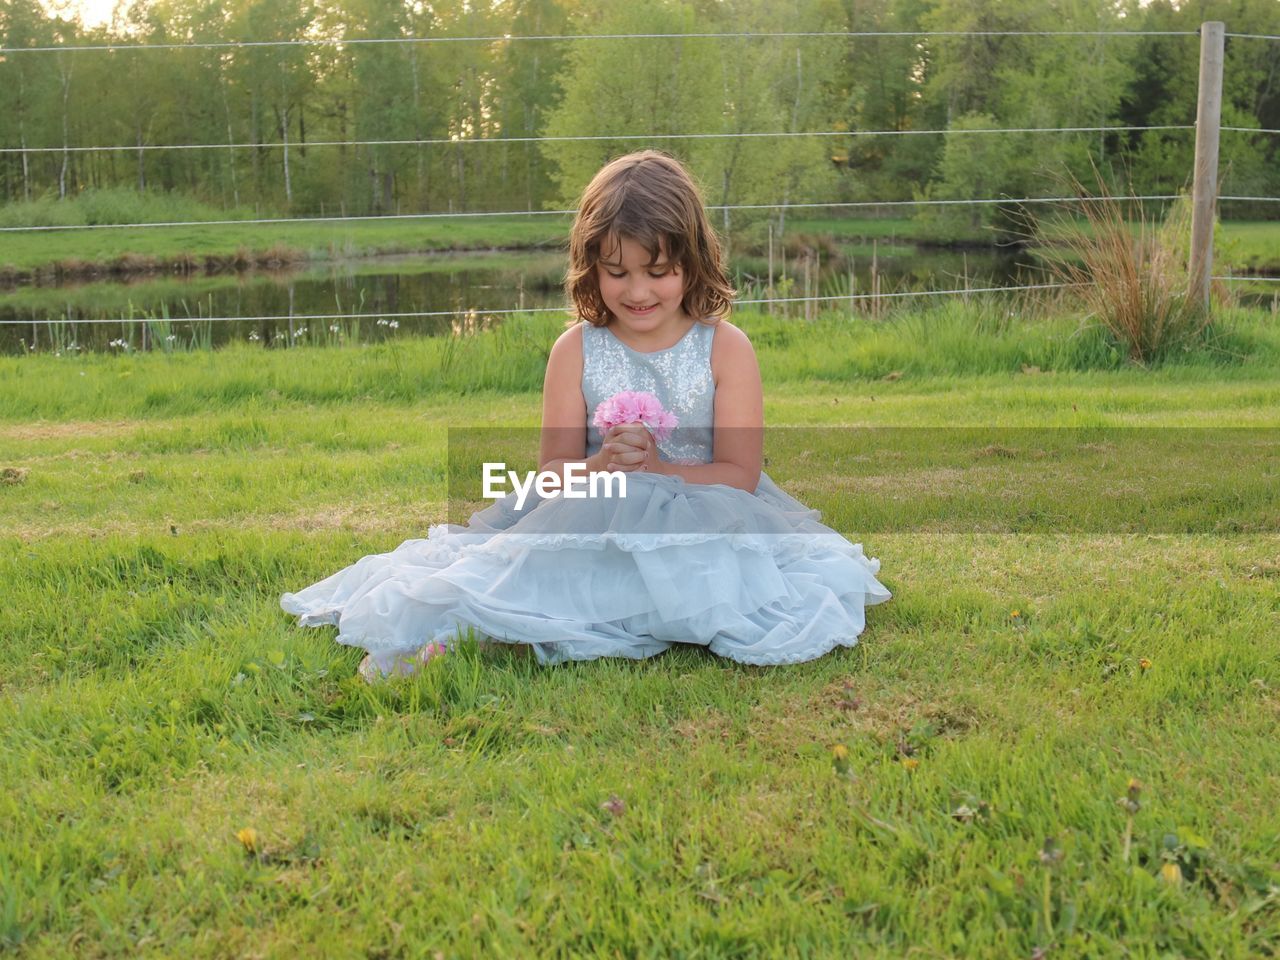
(1246, 245)
(1239, 246)
(1121, 622)
(22, 252)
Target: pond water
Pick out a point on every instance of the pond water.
(379, 297)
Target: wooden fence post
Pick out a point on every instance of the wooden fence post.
(1205, 184)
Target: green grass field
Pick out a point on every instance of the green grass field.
(948, 787)
(25, 252)
(1246, 245)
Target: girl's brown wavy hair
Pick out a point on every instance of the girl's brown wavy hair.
(648, 197)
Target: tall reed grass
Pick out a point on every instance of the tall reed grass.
(1131, 274)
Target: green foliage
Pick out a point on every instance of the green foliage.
(113, 205)
(282, 100)
(661, 87)
(973, 165)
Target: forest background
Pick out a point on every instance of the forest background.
(285, 116)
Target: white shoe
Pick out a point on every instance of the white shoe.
(406, 665)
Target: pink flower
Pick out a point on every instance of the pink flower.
(635, 406)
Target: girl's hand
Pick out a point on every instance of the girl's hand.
(631, 446)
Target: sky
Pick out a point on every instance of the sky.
(92, 13)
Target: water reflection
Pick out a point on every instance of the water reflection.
(422, 295)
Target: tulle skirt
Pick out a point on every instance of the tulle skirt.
(755, 577)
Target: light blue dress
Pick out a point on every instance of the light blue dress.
(755, 577)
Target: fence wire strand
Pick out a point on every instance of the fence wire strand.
(511, 38)
(476, 311)
(850, 204)
(450, 141)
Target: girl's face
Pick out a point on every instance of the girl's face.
(644, 297)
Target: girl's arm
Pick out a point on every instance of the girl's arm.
(739, 417)
(564, 411)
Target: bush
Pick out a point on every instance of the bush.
(112, 205)
(1133, 282)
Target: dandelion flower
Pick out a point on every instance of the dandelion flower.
(840, 759)
(249, 837)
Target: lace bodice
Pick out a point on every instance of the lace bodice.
(679, 376)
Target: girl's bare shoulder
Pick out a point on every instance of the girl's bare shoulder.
(562, 403)
(731, 350)
(572, 335)
(567, 350)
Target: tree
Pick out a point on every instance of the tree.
(659, 89)
(881, 87)
(528, 90)
(1021, 83)
(28, 85)
(276, 79)
(381, 74)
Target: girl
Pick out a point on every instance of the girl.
(704, 548)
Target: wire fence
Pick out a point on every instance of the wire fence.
(519, 311)
(393, 317)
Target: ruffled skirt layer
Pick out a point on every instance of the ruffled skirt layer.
(753, 577)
